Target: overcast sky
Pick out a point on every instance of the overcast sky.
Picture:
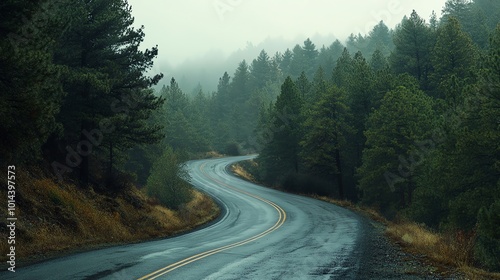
(190, 28)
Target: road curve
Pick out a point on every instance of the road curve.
(261, 234)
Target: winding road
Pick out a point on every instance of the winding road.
(261, 234)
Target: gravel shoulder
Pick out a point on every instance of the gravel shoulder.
(384, 259)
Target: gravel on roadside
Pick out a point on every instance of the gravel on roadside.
(380, 258)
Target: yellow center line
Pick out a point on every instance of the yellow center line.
(278, 224)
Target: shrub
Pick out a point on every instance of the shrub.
(233, 149)
(167, 181)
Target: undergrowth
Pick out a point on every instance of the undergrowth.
(447, 251)
(55, 218)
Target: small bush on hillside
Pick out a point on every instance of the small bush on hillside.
(233, 149)
(167, 181)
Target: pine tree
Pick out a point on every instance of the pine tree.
(297, 63)
(280, 155)
(304, 59)
(359, 88)
(441, 199)
(303, 85)
(413, 41)
(335, 49)
(454, 57)
(472, 18)
(261, 71)
(434, 22)
(342, 70)
(276, 75)
(222, 98)
(325, 60)
(482, 153)
(394, 131)
(221, 111)
(490, 10)
(324, 138)
(240, 90)
(360, 98)
(240, 87)
(286, 62)
(30, 88)
(378, 62)
(174, 110)
(105, 80)
(318, 87)
(380, 39)
(310, 55)
(456, 8)
(176, 100)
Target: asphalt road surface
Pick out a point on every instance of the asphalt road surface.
(261, 234)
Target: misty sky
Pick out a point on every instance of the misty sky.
(190, 28)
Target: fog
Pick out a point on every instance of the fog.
(205, 38)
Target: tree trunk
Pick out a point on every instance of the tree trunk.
(339, 174)
(110, 172)
(403, 200)
(84, 166)
(410, 190)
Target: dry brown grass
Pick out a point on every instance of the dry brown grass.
(453, 250)
(448, 252)
(478, 274)
(418, 239)
(57, 218)
(371, 213)
(241, 172)
(211, 154)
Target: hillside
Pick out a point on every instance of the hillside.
(56, 219)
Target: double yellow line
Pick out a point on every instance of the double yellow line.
(278, 224)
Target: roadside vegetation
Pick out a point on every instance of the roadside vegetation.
(168, 181)
(56, 219)
(449, 252)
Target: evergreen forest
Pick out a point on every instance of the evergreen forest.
(404, 120)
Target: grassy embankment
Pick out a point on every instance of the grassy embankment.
(55, 219)
(447, 252)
